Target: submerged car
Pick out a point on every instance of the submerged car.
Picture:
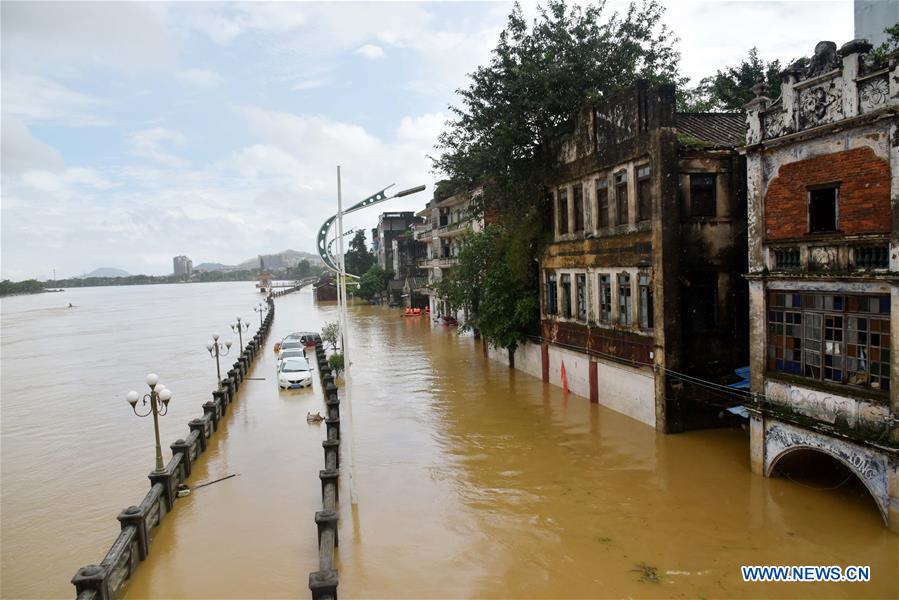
(307, 338)
(294, 372)
(289, 353)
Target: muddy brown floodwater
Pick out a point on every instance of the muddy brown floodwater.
(472, 481)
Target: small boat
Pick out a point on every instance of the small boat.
(412, 312)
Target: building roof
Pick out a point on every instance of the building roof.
(719, 130)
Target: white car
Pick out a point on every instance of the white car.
(290, 353)
(294, 373)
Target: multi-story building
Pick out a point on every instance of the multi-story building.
(447, 217)
(823, 182)
(643, 278)
(182, 266)
(397, 251)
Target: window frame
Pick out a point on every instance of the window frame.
(645, 301)
(565, 284)
(644, 182)
(562, 211)
(602, 206)
(838, 335)
(577, 204)
(552, 293)
(694, 213)
(625, 300)
(836, 208)
(621, 183)
(605, 298)
(580, 296)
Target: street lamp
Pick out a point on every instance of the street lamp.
(260, 309)
(216, 349)
(240, 326)
(158, 399)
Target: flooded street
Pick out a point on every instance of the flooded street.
(472, 480)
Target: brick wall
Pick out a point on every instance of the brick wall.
(864, 196)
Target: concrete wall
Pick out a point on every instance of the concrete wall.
(628, 390)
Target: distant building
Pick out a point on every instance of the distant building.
(396, 250)
(822, 166)
(447, 216)
(182, 266)
(872, 17)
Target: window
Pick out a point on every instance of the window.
(552, 294)
(624, 299)
(605, 298)
(566, 296)
(822, 210)
(646, 308)
(577, 193)
(644, 194)
(831, 337)
(563, 211)
(602, 203)
(548, 208)
(580, 287)
(621, 198)
(703, 195)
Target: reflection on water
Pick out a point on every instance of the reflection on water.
(473, 480)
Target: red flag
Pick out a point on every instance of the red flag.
(564, 379)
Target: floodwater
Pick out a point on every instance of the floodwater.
(472, 480)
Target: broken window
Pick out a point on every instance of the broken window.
(822, 209)
(577, 193)
(703, 195)
(580, 283)
(646, 308)
(621, 198)
(830, 337)
(644, 194)
(566, 296)
(605, 298)
(624, 299)
(563, 211)
(602, 203)
(552, 293)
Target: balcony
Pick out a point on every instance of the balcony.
(440, 262)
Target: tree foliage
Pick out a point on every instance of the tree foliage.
(504, 137)
(499, 305)
(879, 54)
(331, 334)
(730, 89)
(373, 282)
(357, 258)
(29, 286)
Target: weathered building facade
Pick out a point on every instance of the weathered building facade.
(822, 164)
(448, 216)
(644, 272)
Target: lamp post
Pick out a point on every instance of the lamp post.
(240, 326)
(158, 399)
(260, 309)
(216, 349)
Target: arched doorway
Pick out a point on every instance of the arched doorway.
(820, 470)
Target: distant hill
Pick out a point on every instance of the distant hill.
(210, 267)
(105, 272)
(287, 256)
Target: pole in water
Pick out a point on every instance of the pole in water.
(344, 334)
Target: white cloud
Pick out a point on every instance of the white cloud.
(370, 51)
(36, 98)
(224, 23)
(21, 151)
(201, 77)
(309, 84)
(148, 143)
(422, 130)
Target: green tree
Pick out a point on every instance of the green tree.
(373, 282)
(358, 259)
(331, 333)
(730, 89)
(879, 54)
(504, 136)
(500, 305)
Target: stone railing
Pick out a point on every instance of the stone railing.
(323, 582)
(106, 580)
(295, 288)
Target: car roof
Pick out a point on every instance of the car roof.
(296, 359)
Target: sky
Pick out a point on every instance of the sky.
(134, 132)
